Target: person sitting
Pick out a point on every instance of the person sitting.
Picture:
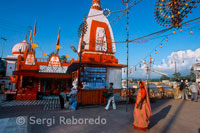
(2, 91)
(62, 97)
(72, 96)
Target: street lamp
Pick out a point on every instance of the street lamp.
(73, 48)
(3, 41)
(80, 58)
(148, 69)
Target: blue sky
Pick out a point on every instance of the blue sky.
(17, 15)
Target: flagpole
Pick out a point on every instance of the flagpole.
(31, 39)
(33, 34)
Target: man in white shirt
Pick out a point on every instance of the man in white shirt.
(111, 98)
(194, 89)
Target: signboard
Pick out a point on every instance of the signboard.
(101, 41)
(54, 66)
(53, 69)
(30, 59)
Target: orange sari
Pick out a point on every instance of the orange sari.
(142, 115)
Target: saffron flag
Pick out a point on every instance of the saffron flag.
(34, 45)
(35, 29)
(66, 55)
(12, 79)
(58, 39)
(31, 36)
(58, 47)
(44, 54)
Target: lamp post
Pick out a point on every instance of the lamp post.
(148, 70)
(175, 69)
(80, 59)
(125, 2)
(3, 41)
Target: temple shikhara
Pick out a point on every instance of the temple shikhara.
(34, 77)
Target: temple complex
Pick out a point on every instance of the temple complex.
(35, 77)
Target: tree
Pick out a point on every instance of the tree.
(63, 57)
(190, 77)
(164, 77)
(177, 76)
(51, 54)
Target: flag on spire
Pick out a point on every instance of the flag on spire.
(34, 45)
(58, 47)
(58, 42)
(12, 79)
(35, 29)
(58, 39)
(44, 54)
(66, 55)
(31, 36)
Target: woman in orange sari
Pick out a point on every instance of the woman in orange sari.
(142, 111)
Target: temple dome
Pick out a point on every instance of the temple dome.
(20, 48)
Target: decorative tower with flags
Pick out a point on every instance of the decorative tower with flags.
(99, 38)
(98, 51)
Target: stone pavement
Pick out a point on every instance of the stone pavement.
(48, 104)
(168, 116)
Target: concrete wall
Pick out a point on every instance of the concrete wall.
(7, 81)
(115, 75)
(10, 67)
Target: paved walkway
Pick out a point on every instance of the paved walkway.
(168, 116)
(49, 103)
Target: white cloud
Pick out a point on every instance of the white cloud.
(184, 61)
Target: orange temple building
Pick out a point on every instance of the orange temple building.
(34, 76)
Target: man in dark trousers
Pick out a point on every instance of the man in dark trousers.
(183, 90)
(62, 97)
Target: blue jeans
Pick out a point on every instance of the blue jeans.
(195, 96)
(73, 102)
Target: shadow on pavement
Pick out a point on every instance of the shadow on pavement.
(170, 122)
(159, 116)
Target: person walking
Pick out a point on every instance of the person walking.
(142, 110)
(183, 90)
(2, 91)
(194, 89)
(111, 98)
(176, 91)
